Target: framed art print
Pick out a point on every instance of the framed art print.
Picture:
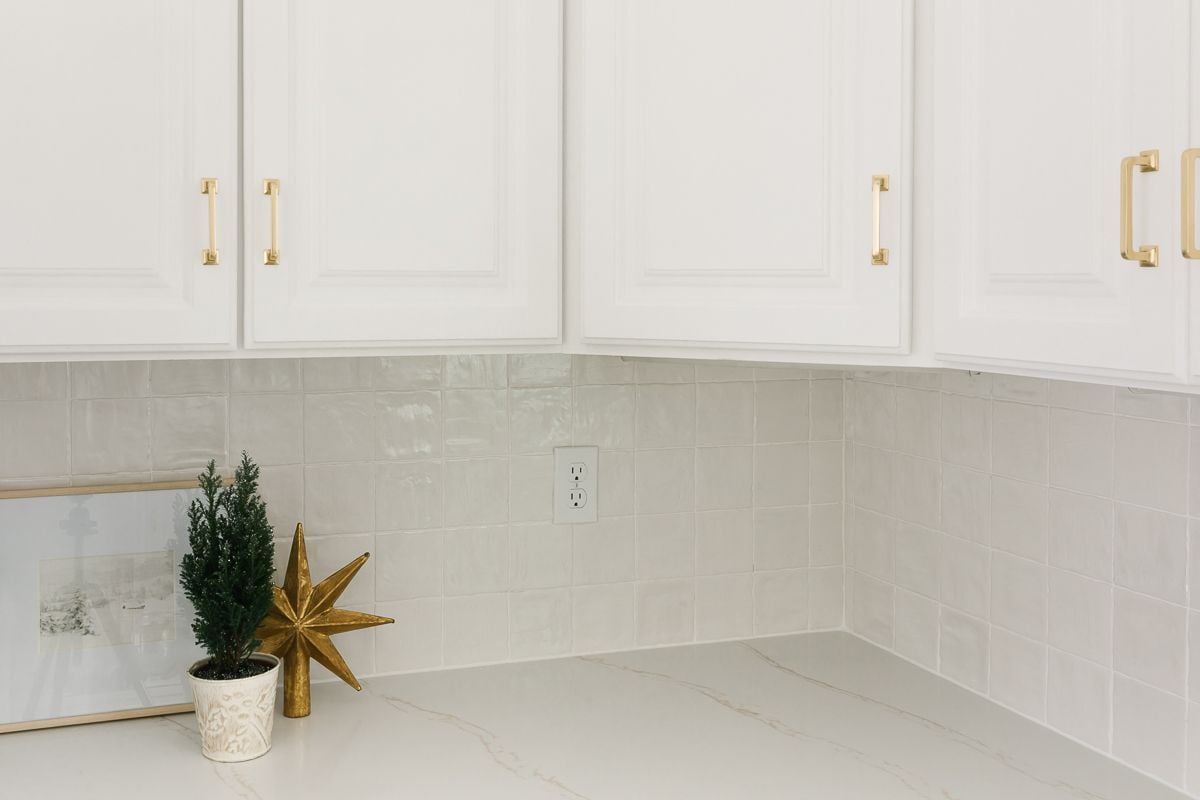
(93, 625)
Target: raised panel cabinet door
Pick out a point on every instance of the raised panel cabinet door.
(1036, 105)
(725, 162)
(417, 149)
(112, 114)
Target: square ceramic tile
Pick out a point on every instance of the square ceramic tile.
(1081, 534)
(602, 617)
(105, 436)
(408, 565)
(665, 481)
(1017, 675)
(1151, 464)
(917, 629)
(475, 422)
(724, 607)
(414, 640)
(1150, 640)
(476, 560)
(725, 413)
(780, 601)
(539, 369)
(1020, 441)
(725, 477)
(37, 440)
(1019, 595)
(966, 431)
(408, 372)
(476, 491)
(187, 431)
(603, 552)
(1151, 552)
(826, 598)
(665, 612)
(269, 427)
(781, 474)
(1081, 451)
(918, 559)
(780, 538)
(1148, 729)
(475, 629)
(262, 375)
(1078, 698)
(540, 556)
(604, 416)
(782, 411)
(964, 650)
(724, 541)
(540, 623)
(665, 546)
(1079, 616)
(870, 608)
(112, 379)
(539, 419)
(339, 427)
(666, 415)
(409, 496)
(918, 422)
(408, 425)
(475, 372)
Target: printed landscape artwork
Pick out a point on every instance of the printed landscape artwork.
(101, 601)
(93, 624)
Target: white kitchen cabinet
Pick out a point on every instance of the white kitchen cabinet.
(417, 149)
(723, 159)
(1035, 106)
(1190, 219)
(112, 115)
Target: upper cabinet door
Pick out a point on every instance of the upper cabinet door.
(1190, 219)
(725, 161)
(1036, 106)
(416, 147)
(113, 114)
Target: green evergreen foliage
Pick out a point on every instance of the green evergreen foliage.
(228, 574)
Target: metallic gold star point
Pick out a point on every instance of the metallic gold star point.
(301, 620)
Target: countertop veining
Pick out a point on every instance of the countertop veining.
(823, 716)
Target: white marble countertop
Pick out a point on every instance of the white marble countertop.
(823, 716)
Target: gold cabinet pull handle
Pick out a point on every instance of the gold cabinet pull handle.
(271, 190)
(879, 255)
(210, 256)
(1191, 160)
(1146, 255)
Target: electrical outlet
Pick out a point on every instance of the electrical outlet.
(576, 484)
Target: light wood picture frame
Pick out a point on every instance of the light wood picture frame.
(93, 624)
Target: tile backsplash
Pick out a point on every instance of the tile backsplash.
(1035, 541)
(720, 487)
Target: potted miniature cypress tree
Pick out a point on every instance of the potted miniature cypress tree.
(228, 577)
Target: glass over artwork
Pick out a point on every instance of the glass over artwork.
(92, 621)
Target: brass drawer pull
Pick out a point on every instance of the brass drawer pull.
(210, 256)
(879, 255)
(1146, 255)
(1191, 161)
(271, 190)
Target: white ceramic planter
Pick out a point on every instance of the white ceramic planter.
(236, 717)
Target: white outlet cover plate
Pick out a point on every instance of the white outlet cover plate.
(564, 458)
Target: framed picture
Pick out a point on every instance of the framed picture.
(93, 624)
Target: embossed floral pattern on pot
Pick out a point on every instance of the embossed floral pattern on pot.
(236, 717)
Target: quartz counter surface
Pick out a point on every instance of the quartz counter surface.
(823, 716)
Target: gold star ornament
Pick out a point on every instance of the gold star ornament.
(301, 620)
